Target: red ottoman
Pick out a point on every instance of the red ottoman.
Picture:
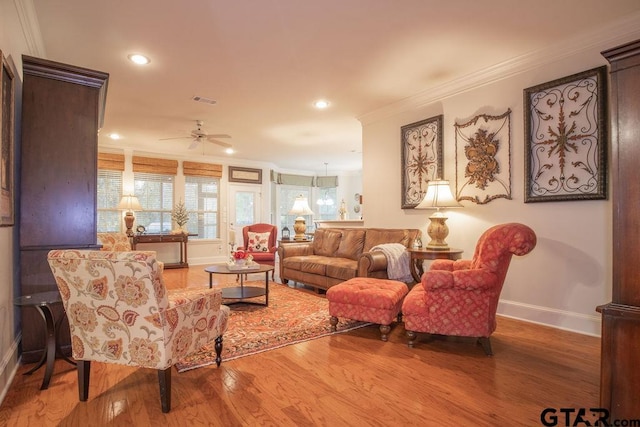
(368, 300)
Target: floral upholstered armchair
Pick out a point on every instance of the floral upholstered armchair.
(260, 241)
(120, 312)
(460, 298)
(114, 241)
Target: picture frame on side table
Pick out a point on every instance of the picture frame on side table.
(245, 175)
(566, 138)
(422, 158)
(7, 136)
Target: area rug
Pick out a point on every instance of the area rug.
(293, 316)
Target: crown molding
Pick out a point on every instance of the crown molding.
(30, 27)
(619, 32)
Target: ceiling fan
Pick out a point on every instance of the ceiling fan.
(199, 136)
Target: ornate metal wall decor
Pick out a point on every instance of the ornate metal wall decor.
(421, 158)
(483, 158)
(566, 138)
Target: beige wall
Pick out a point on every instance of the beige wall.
(569, 273)
(12, 44)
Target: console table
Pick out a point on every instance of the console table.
(181, 239)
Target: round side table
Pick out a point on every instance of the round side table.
(419, 255)
(42, 302)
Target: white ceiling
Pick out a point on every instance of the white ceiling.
(266, 61)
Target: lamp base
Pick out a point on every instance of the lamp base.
(128, 221)
(438, 231)
(300, 227)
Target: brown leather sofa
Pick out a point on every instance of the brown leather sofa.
(339, 254)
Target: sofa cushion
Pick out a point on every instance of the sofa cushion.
(351, 243)
(311, 264)
(326, 242)
(342, 268)
(378, 236)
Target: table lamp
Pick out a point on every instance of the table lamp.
(438, 196)
(300, 207)
(129, 203)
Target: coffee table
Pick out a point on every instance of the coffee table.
(242, 292)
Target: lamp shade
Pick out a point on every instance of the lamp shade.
(129, 203)
(438, 196)
(300, 207)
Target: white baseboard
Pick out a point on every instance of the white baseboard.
(561, 319)
(9, 367)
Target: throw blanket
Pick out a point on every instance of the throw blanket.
(397, 261)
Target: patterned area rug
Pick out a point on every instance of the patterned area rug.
(292, 316)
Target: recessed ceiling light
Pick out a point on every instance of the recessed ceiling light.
(229, 150)
(321, 104)
(114, 136)
(139, 59)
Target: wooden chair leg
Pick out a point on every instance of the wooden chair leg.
(334, 323)
(218, 347)
(412, 338)
(384, 332)
(486, 345)
(164, 377)
(84, 369)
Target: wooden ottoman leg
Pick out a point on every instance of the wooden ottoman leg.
(412, 338)
(384, 331)
(334, 323)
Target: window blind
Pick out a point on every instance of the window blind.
(109, 161)
(201, 169)
(154, 165)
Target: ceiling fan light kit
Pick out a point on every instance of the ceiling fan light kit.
(198, 136)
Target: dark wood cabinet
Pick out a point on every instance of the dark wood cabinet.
(62, 110)
(620, 359)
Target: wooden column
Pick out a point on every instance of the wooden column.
(62, 108)
(620, 359)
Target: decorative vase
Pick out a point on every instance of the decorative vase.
(240, 262)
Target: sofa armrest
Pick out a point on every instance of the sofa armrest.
(369, 262)
(295, 249)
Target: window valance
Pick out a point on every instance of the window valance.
(154, 165)
(111, 161)
(202, 169)
(289, 179)
(326, 181)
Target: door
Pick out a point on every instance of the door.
(245, 209)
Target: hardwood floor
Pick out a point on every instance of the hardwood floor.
(342, 380)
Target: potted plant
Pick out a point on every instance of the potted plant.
(180, 217)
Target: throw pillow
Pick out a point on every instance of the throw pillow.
(258, 242)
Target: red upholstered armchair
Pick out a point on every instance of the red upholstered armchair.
(460, 298)
(260, 241)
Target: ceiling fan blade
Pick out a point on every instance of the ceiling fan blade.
(177, 137)
(215, 141)
(194, 144)
(218, 135)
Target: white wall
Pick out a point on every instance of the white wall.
(569, 273)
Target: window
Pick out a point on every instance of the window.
(109, 193)
(327, 205)
(155, 193)
(201, 202)
(288, 194)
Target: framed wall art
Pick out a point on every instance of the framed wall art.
(483, 158)
(566, 138)
(7, 131)
(421, 145)
(245, 175)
